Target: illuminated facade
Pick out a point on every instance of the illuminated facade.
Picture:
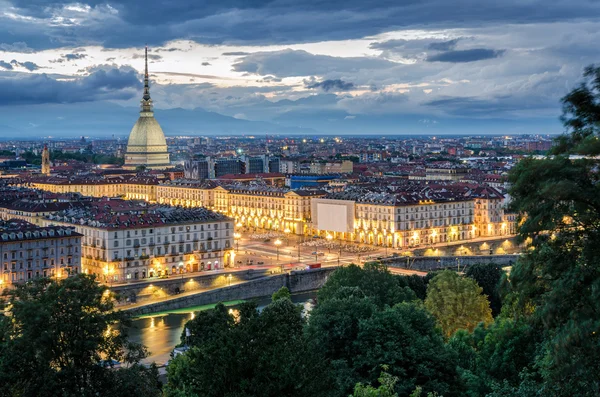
(29, 252)
(127, 242)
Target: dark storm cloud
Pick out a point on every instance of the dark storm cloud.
(472, 55)
(41, 88)
(127, 23)
(444, 45)
(6, 65)
(331, 85)
(290, 63)
(234, 53)
(205, 63)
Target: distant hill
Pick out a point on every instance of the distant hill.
(107, 119)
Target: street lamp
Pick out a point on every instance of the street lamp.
(237, 237)
(329, 238)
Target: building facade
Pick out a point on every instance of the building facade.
(127, 241)
(28, 252)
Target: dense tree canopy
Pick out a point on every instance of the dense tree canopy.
(252, 354)
(373, 279)
(56, 333)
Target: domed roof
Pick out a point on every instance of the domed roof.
(146, 132)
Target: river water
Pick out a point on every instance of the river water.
(162, 332)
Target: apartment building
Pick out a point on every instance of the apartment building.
(131, 240)
(28, 252)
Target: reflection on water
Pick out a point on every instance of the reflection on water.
(160, 334)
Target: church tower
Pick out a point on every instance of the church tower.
(146, 146)
(45, 161)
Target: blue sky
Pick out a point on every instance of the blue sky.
(442, 64)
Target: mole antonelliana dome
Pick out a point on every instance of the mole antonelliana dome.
(146, 145)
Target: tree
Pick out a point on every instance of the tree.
(281, 293)
(386, 388)
(55, 335)
(556, 286)
(256, 354)
(488, 276)
(333, 329)
(457, 302)
(581, 116)
(405, 338)
(373, 279)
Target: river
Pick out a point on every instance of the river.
(160, 333)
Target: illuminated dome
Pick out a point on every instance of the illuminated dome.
(146, 145)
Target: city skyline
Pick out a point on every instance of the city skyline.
(287, 68)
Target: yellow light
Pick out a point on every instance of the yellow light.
(434, 233)
(329, 237)
(287, 230)
(277, 242)
(415, 235)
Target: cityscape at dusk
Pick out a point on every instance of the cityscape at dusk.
(291, 199)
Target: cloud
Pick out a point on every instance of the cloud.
(153, 57)
(69, 57)
(56, 23)
(72, 57)
(6, 65)
(205, 63)
(16, 47)
(41, 88)
(472, 55)
(444, 45)
(27, 65)
(290, 63)
(330, 85)
(234, 53)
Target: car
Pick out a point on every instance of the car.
(314, 253)
(321, 254)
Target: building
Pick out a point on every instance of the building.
(268, 207)
(411, 218)
(45, 161)
(132, 240)
(146, 146)
(127, 186)
(30, 252)
(339, 167)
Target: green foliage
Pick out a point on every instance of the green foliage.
(356, 337)
(54, 337)
(373, 279)
(256, 354)
(416, 283)
(406, 339)
(581, 116)
(281, 293)
(555, 288)
(386, 388)
(457, 302)
(488, 276)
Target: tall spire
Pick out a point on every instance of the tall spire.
(146, 100)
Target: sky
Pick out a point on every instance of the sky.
(446, 66)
